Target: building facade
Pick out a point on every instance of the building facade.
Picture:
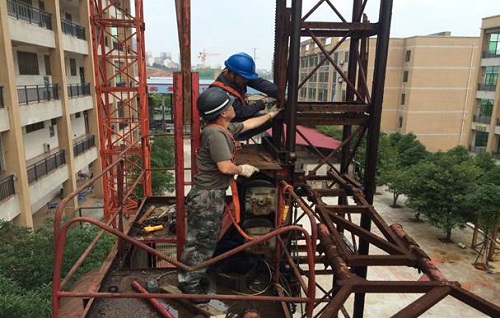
(428, 90)
(485, 115)
(48, 121)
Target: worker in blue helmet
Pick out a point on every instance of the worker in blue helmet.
(235, 78)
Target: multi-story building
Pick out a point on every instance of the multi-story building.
(485, 120)
(428, 89)
(48, 121)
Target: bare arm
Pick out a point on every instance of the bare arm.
(255, 122)
(228, 167)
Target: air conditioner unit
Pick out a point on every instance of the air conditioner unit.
(341, 62)
(340, 80)
(46, 147)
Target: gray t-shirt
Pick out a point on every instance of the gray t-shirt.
(215, 146)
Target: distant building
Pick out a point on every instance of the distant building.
(428, 88)
(484, 126)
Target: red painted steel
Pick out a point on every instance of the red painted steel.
(120, 73)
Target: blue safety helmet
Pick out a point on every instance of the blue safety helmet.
(242, 64)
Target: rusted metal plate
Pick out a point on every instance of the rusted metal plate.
(257, 156)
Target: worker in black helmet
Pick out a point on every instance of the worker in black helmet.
(206, 200)
(239, 73)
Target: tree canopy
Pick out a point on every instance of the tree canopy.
(438, 188)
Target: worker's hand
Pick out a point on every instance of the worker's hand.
(248, 170)
(269, 100)
(273, 111)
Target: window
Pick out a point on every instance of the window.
(47, 65)
(490, 75)
(53, 122)
(405, 77)
(494, 44)
(323, 77)
(72, 67)
(28, 63)
(486, 108)
(403, 99)
(481, 139)
(400, 122)
(407, 55)
(35, 127)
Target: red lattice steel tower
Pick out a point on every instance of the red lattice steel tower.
(120, 73)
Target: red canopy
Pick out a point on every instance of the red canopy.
(316, 138)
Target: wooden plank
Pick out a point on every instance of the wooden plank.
(146, 214)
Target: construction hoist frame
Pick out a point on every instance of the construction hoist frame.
(121, 94)
(309, 230)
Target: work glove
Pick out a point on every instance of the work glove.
(248, 170)
(273, 111)
(269, 100)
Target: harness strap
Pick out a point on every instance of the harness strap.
(231, 90)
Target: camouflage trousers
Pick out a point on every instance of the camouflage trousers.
(204, 209)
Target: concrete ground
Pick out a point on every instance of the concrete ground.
(455, 263)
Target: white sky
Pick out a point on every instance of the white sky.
(225, 27)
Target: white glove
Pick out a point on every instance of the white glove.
(248, 170)
(274, 111)
(269, 100)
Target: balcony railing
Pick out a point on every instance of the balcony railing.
(83, 145)
(481, 119)
(477, 149)
(486, 87)
(46, 165)
(30, 14)
(77, 90)
(37, 93)
(2, 105)
(73, 29)
(487, 54)
(7, 187)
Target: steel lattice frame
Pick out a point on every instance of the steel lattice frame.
(120, 73)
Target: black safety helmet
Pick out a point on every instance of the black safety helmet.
(212, 102)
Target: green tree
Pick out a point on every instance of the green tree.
(27, 263)
(398, 153)
(409, 149)
(484, 201)
(438, 188)
(162, 157)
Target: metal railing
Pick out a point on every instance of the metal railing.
(488, 54)
(46, 165)
(73, 29)
(477, 149)
(7, 187)
(486, 87)
(30, 14)
(83, 145)
(37, 93)
(77, 90)
(481, 119)
(2, 105)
